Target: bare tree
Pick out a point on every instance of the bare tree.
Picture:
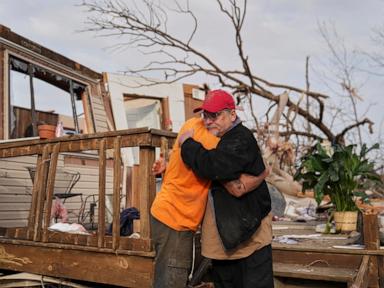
(144, 25)
(344, 65)
(377, 57)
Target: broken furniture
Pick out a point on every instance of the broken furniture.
(71, 177)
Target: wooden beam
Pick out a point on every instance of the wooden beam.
(361, 280)
(33, 48)
(102, 181)
(116, 192)
(84, 241)
(371, 231)
(147, 189)
(35, 188)
(324, 258)
(372, 242)
(3, 92)
(298, 271)
(42, 180)
(108, 268)
(50, 187)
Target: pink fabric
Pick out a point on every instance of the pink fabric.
(59, 211)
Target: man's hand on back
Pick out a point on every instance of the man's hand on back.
(159, 166)
(245, 183)
(185, 135)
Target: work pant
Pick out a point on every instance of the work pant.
(173, 258)
(254, 271)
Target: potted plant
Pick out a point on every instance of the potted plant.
(341, 173)
(46, 131)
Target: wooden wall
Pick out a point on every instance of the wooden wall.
(190, 103)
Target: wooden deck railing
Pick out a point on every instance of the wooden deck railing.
(47, 152)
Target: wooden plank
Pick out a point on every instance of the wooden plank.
(127, 133)
(126, 243)
(112, 268)
(116, 192)
(35, 189)
(49, 191)
(371, 231)
(136, 194)
(361, 280)
(84, 144)
(350, 261)
(147, 189)
(313, 272)
(372, 242)
(129, 136)
(42, 184)
(40, 54)
(373, 273)
(380, 263)
(102, 180)
(3, 89)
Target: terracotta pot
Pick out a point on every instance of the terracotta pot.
(345, 221)
(46, 131)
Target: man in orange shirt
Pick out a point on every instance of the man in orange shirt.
(179, 207)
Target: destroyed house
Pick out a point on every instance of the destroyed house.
(97, 168)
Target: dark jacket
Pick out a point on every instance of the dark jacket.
(237, 219)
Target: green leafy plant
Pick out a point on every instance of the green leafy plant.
(338, 172)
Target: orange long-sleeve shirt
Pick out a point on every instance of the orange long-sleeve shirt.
(181, 201)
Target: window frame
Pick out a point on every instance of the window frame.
(40, 66)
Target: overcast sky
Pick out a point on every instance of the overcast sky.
(278, 35)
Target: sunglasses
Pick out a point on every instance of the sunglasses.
(212, 115)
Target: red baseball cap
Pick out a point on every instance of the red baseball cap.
(217, 100)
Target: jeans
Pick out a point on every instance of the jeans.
(173, 258)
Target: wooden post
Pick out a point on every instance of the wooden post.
(3, 91)
(42, 184)
(372, 242)
(135, 194)
(361, 280)
(102, 175)
(116, 192)
(147, 189)
(50, 186)
(35, 188)
(371, 231)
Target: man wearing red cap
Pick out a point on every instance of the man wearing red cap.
(179, 207)
(236, 232)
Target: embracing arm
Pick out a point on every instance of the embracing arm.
(245, 183)
(215, 164)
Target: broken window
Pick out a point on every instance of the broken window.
(40, 96)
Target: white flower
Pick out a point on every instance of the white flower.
(327, 146)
